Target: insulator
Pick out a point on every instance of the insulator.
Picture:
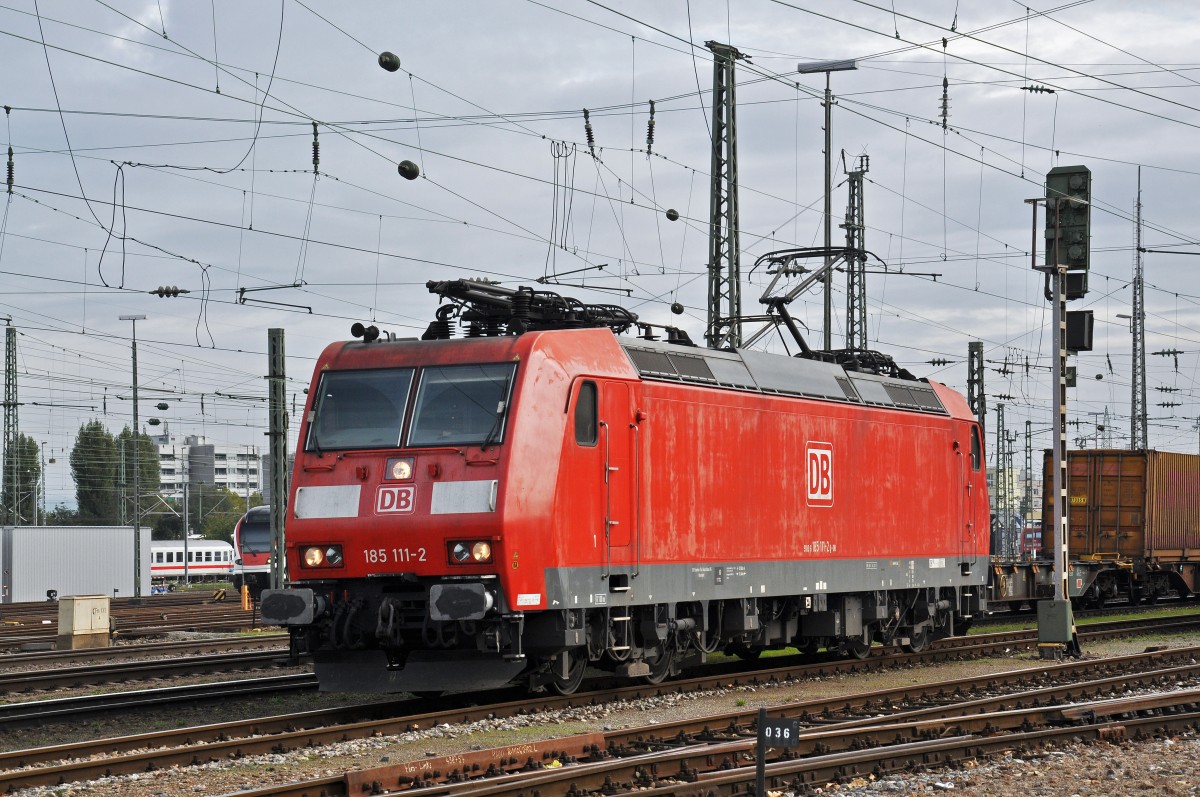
(474, 331)
(316, 149)
(521, 301)
(438, 330)
(389, 61)
(10, 170)
(650, 130)
(587, 128)
(408, 170)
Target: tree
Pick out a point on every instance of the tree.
(94, 469)
(25, 478)
(214, 511)
(61, 516)
(149, 474)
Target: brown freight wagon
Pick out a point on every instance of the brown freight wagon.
(1133, 520)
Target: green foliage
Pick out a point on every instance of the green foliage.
(102, 467)
(147, 458)
(94, 469)
(214, 511)
(61, 516)
(21, 483)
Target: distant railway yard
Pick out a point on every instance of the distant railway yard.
(188, 707)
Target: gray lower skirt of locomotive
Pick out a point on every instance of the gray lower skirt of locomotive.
(424, 671)
(590, 588)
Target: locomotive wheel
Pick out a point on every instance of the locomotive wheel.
(661, 667)
(917, 641)
(856, 649)
(576, 665)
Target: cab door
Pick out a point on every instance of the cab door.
(617, 432)
(973, 482)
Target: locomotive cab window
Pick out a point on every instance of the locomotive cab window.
(359, 409)
(585, 415)
(976, 448)
(461, 405)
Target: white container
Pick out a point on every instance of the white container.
(70, 560)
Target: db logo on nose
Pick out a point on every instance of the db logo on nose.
(818, 458)
(395, 499)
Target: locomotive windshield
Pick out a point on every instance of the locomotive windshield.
(254, 532)
(359, 409)
(461, 405)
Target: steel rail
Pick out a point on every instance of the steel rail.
(219, 745)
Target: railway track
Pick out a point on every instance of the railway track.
(62, 658)
(75, 707)
(124, 672)
(277, 734)
(32, 633)
(839, 740)
(198, 658)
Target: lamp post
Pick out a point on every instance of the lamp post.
(807, 69)
(137, 523)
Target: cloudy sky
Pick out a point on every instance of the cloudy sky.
(170, 143)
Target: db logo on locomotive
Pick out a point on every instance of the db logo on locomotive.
(818, 458)
(394, 499)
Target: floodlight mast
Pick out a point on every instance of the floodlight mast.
(808, 68)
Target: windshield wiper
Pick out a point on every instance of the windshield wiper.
(494, 433)
(312, 436)
(501, 411)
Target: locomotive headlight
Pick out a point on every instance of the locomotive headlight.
(468, 553)
(400, 469)
(321, 556)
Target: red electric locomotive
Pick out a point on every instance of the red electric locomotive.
(544, 495)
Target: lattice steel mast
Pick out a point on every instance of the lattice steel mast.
(1139, 437)
(976, 398)
(856, 252)
(1003, 499)
(724, 269)
(11, 484)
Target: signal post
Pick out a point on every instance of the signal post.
(1067, 231)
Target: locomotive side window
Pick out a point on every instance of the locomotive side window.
(976, 448)
(585, 415)
(359, 409)
(461, 405)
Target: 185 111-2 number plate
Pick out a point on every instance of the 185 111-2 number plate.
(387, 556)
